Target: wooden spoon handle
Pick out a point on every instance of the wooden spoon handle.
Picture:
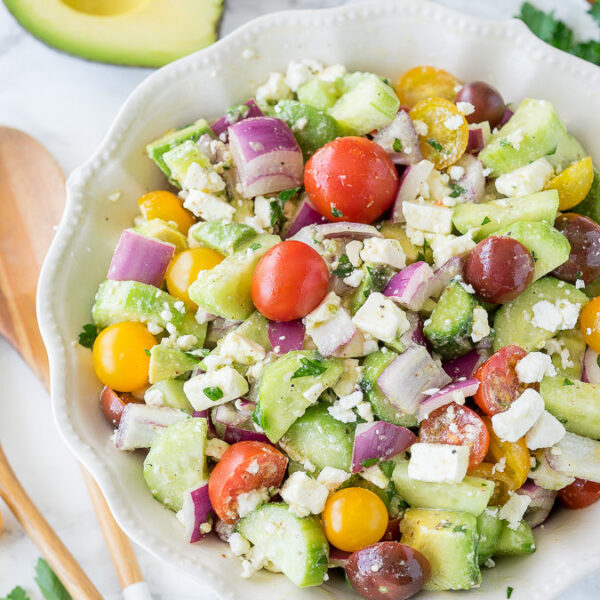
(55, 552)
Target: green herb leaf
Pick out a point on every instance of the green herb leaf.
(506, 143)
(598, 360)
(379, 278)
(237, 112)
(213, 393)
(486, 220)
(368, 462)
(309, 368)
(49, 583)
(146, 352)
(388, 467)
(17, 593)
(254, 246)
(509, 591)
(460, 529)
(344, 267)
(457, 190)
(277, 217)
(288, 194)
(88, 335)
(567, 382)
(397, 145)
(435, 144)
(335, 211)
(594, 12)
(536, 466)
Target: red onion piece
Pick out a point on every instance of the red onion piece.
(341, 229)
(140, 258)
(333, 334)
(402, 129)
(410, 182)
(476, 143)
(473, 181)
(407, 376)
(505, 117)
(205, 414)
(286, 336)
(591, 369)
(414, 334)
(305, 215)
(446, 395)
(576, 456)
(379, 440)
(337, 557)
(141, 423)
(541, 503)
(404, 286)
(221, 125)
(465, 365)
(196, 511)
(266, 156)
(234, 434)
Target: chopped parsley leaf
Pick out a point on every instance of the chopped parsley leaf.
(288, 194)
(509, 591)
(537, 465)
(506, 143)
(379, 278)
(277, 217)
(17, 593)
(368, 462)
(146, 352)
(435, 145)
(388, 468)
(598, 360)
(309, 368)
(567, 382)
(213, 393)
(254, 246)
(88, 335)
(335, 211)
(486, 220)
(344, 267)
(49, 583)
(457, 190)
(397, 145)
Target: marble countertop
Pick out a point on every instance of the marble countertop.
(67, 103)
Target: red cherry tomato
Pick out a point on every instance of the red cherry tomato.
(457, 425)
(579, 494)
(500, 385)
(244, 467)
(289, 281)
(351, 179)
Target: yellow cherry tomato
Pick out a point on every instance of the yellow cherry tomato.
(120, 358)
(503, 482)
(354, 518)
(166, 206)
(573, 184)
(420, 83)
(184, 269)
(590, 324)
(443, 131)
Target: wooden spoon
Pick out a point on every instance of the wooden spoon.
(32, 196)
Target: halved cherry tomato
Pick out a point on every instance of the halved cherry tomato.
(579, 494)
(503, 483)
(573, 184)
(351, 179)
(184, 269)
(444, 133)
(289, 281)
(500, 385)
(354, 518)
(120, 358)
(166, 206)
(244, 467)
(590, 324)
(114, 404)
(457, 425)
(420, 83)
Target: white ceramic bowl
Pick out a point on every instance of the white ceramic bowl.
(386, 37)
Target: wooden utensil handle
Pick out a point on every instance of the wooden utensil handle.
(55, 552)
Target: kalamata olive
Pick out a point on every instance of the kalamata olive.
(584, 236)
(499, 269)
(387, 571)
(113, 404)
(392, 533)
(487, 101)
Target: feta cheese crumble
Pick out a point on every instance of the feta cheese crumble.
(438, 463)
(353, 249)
(555, 317)
(226, 379)
(208, 207)
(526, 180)
(274, 89)
(512, 512)
(240, 349)
(332, 478)
(382, 251)
(428, 217)
(250, 501)
(239, 545)
(546, 432)
(520, 417)
(534, 367)
(304, 495)
(481, 327)
(381, 318)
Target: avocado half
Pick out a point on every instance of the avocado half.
(146, 33)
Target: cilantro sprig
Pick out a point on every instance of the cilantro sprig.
(49, 584)
(344, 267)
(88, 335)
(277, 215)
(309, 368)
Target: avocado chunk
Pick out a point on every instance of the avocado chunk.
(171, 394)
(318, 93)
(549, 247)
(223, 237)
(574, 403)
(224, 290)
(179, 158)
(532, 132)
(590, 206)
(448, 540)
(161, 230)
(129, 32)
(489, 217)
(167, 363)
(513, 321)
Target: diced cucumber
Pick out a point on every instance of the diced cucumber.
(513, 320)
(223, 237)
(471, 495)
(157, 149)
(177, 462)
(448, 329)
(574, 403)
(297, 546)
(319, 438)
(549, 247)
(172, 394)
(532, 132)
(161, 230)
(489, 217)
(224, 290)
(281, 396)
(448, 540)
(318, 93)
(374, 279)
(489, 527)
(311, 126)
(373, 366)
(515, 541)
(168, 363)
(590, 207)
(118, 301)
(179, 159)
(256, 328)
(367, 103)
(570, 365)
(568, 150)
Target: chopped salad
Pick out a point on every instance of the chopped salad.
(360, 326)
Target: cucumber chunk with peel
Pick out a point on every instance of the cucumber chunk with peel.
(168, 363)
(223, 237)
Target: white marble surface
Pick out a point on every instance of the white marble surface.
(67, 103)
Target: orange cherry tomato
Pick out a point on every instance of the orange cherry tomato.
(420, 83)
(457, 425)
(443, 131)
(119, 356)
(184, 269)
(590, 324)
(166, 206)
(573, 184)
(580, 494)
(503, 484)
(354, 518)
(244, 467)
(289, 281)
